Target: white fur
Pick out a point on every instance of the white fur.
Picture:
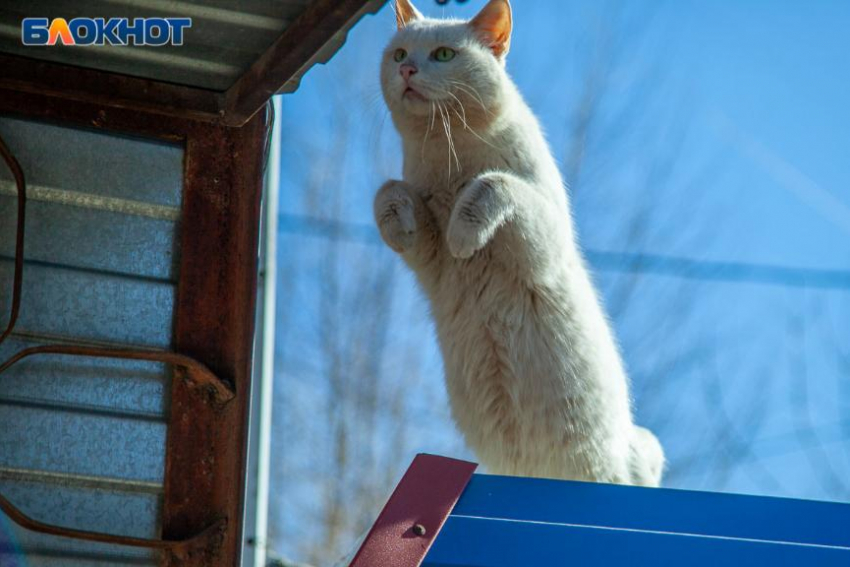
(534, 376)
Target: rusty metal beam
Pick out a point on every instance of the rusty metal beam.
(109, 89)
(74, 112)
(215, 324)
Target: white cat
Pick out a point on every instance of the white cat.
(534, 376)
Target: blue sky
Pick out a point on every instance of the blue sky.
(777, 72)
(725, 124)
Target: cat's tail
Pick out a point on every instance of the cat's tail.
(646, 458)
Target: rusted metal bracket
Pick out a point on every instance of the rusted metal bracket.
(201, 378)
(179, 548)
(197, 375)
(18, 279)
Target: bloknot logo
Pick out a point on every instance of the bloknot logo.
(103, 31)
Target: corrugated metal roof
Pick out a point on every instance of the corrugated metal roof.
(226, 37)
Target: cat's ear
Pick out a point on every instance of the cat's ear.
(405, 12)
(493, 25)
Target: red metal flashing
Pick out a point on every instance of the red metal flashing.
(415, 513)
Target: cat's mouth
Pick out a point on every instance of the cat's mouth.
(413, 94)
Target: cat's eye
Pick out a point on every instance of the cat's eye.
(444, 54)
(399, 55)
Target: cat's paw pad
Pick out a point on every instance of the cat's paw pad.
(395, 217)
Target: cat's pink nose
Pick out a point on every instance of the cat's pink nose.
(407, 70)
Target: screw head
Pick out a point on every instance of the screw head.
(419, 530)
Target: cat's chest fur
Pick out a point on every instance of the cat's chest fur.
(491, 319)
(439, 173)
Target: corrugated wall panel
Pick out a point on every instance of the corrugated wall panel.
(147, 243)
(80, 443)
(64, 302)
(89, 162)
(112, 387)
(82, 440)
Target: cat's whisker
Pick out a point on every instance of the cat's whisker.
(474, 98)
(444, 114)
(466, 125)
(452, 141)
(473, 93)
(462, 109)
(448, 138)
(377, 135)
(428, 132)
(473, 90)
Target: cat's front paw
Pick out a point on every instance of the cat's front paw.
(395, 216)
(475, 218)
(464, 239)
